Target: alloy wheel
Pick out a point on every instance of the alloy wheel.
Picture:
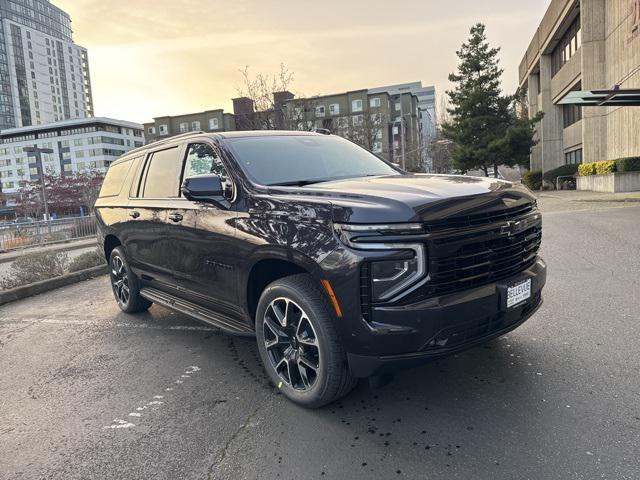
(120, 280)
(291, 344)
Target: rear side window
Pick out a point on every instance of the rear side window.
(115, 178)
(163, 172)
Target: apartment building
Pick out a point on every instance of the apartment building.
(81, 145)
(208, 121)
(44, 75)
(583, 45)
(388, 125)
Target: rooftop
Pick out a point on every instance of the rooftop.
(79, 122)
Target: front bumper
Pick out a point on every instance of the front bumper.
(410, 335)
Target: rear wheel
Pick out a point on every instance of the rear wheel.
(298, 343)
(125, 284)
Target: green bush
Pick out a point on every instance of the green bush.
(631, 164)
(587, 169)
(533, 179)
(34, 267)
(563, 171)
(606, 167)
(87, 260)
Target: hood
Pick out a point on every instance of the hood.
(413, 198)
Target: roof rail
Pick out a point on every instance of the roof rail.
(323, 131)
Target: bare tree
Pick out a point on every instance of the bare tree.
(260, 89)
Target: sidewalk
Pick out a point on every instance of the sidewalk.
(60, 247)
(576, 196)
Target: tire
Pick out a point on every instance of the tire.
(125, 285)
(293, 314)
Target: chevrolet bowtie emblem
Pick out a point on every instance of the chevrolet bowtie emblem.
(513, 228)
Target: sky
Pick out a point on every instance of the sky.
(151, 58)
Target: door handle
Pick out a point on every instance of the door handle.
(175, 217)
(134, 214)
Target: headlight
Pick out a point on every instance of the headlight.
(390, 277)
(390, 280)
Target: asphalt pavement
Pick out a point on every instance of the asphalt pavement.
(87, 392)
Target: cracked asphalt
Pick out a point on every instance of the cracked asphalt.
(89, 392)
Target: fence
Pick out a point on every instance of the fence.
(28, 234)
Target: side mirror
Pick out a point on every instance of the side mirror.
(205, 188)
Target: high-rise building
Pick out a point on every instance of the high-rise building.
(44, 76)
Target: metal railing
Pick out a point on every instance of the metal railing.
(15, 236)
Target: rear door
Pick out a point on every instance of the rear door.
(147, 242)
(201, 235)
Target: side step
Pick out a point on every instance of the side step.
(196, 312)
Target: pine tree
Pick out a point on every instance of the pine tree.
(485, 127)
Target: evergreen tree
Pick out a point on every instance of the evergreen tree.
(484, 124)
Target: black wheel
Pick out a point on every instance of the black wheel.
(125, 284)
(298, 343)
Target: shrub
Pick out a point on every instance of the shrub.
(34, 267)
(563, 171)
(587, 169)
(87, 260)
(533, 179)
(606, 167)
(631, 164)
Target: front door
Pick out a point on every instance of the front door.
(201, 236)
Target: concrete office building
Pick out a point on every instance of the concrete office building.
(78, 146)
(44, 76)
(583, 45)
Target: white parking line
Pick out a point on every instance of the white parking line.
(91, 323)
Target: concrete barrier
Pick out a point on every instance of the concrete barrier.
(611, 183)
(37, 288)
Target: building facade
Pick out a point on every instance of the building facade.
(44, 76)
(583, 45)
(82, 145)
(428, 115)
(388, 125)
(209, 121)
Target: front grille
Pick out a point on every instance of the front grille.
(480, 219)
(465, 261)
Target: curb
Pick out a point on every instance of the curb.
(37, 288)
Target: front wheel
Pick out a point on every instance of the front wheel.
(125, 284)
(298, 343)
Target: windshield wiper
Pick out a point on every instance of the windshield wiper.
(301, 183)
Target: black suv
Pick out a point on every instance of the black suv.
(342, 265)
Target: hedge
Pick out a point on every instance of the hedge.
(533, 179)
(563, 171)
(631, 164)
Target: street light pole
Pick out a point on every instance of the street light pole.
(37, 152)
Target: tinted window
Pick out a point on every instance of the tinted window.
(288, 159)
(115, 178)
(202, 159)
(162, 175)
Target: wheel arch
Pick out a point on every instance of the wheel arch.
(110, 242)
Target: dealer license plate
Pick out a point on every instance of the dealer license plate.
(518, 293)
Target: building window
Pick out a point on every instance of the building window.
(334, 109)
(374, 102)
(358, 120)
(320, 111)
(184, 127)
(377, 147)
(195, 125)
(571, 114)
(163, 130)
(398, 106)
(567, 48)
(213, 124)
(573, 158)
(152, 130)
(356, 105)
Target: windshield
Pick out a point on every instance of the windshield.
(302, 159)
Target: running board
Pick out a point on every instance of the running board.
(197, 312)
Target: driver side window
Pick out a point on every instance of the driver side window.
(202, 159)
